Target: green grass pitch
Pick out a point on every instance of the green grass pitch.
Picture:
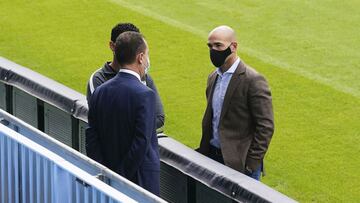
(308, 50)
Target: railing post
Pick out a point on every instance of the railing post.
(40, 111)
(9, 99)
(191, 187)
(19, 174)
(75, 133)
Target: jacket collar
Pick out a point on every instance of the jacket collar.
(234, 82)
(108, 69)
(240, 69)
(231, 70)
(123, 70)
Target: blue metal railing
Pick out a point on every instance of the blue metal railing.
(72, 156)
(186, 176)
(31, 173)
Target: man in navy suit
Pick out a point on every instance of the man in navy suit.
(121, 133)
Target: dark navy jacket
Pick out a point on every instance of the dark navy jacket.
(106, 73)
(121, 133)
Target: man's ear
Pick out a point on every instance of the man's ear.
(140, 58)
(234, 47)
(112, 46)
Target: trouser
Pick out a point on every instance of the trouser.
(215, 154)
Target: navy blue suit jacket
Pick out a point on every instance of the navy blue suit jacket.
(122, 130)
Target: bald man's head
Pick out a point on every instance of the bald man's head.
(222, 43)
(223, 33)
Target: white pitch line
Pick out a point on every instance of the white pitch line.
(251, 52)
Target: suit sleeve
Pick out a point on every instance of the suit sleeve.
(260, 103)
(204, 142)
(144, 129)
(92, 144)
(160, 115)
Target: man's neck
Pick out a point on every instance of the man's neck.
(115, 65)
(228, 63)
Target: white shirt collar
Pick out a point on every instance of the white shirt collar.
(130, 72)
(231, 69)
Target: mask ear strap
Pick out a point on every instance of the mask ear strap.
(230, 46)
(233, 43)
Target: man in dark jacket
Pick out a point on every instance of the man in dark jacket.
(121, 133)
(238, 122)
(110, 69)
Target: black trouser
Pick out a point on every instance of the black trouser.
(215, 154)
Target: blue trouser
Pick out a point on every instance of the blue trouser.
(255, 174)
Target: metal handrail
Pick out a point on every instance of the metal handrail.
(80, 160)
(21, 160)
(177, 156)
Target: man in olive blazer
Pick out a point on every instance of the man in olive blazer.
(238, 122)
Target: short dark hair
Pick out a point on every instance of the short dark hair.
(127, 46)
(121, 28)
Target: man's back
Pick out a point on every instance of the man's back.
(122, 115)
(106, 73)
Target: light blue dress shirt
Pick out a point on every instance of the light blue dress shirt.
(221, 86)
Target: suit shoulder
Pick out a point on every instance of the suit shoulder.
(253, 74)
(144, 92)
(212, 74)
(142, 89)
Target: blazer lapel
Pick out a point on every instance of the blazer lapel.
(234, 82)
(212, 81)
(209, 94)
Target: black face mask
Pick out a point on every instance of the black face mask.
(218, 57)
